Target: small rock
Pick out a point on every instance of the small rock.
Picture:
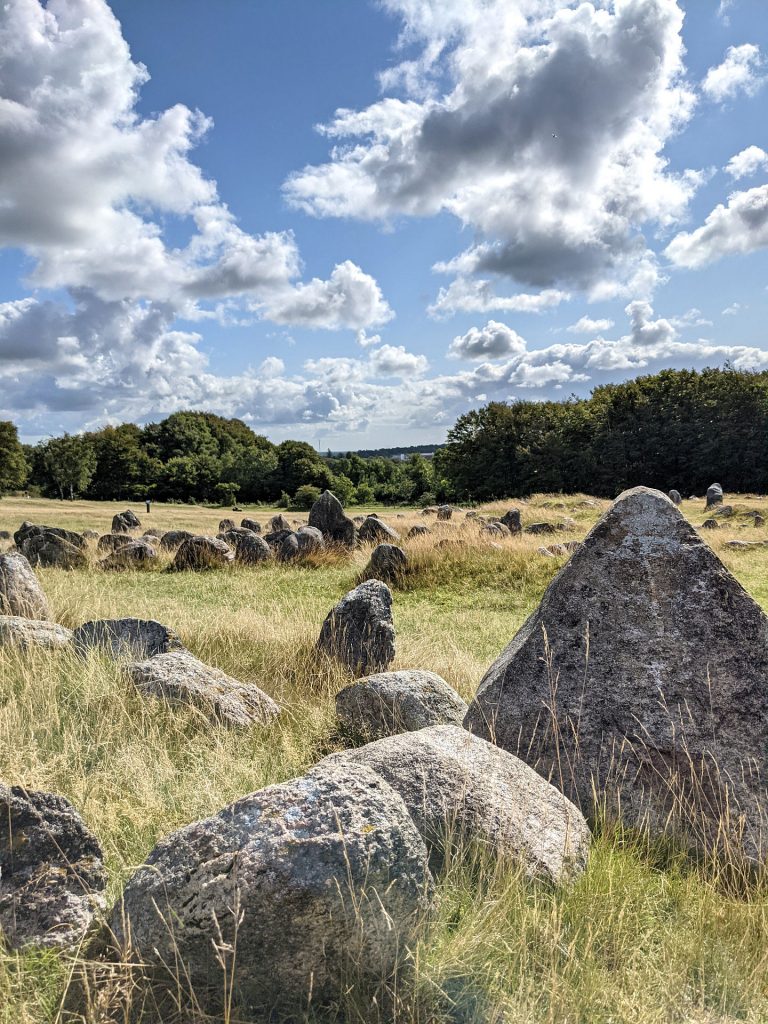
(417, 531)
(511, 520)
(225, 525)
(714, 495)
(388, 563)
(179, 677)
(278, 523)
(134, 555)
(373, 531)
(202, 553)
(539, 528)
(250, 524)
(19, 631)
(359, 631)
(724, 510)
(444, 512)
(710, 524)
(676, 497)
(124, 522)
(249, 548)
(139, 638)
(173, 539)
(20, 592)
(393, 702)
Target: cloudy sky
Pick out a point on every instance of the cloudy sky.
(349, 221)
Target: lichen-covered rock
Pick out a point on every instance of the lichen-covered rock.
(52, 876)
(388, 703)
(278, 523)
(19, 631)
(359, 631)
(461, 789)
(137, 638)
(418, 531)
(310, 540)
(714, 495)
(327, 516)
(178, 677)
(51, 547)
(136, 554)
(373, 531)
(249, 548)
(198, 553)
(20, 592)
(669, 724)
(387, 562)
(111, 542)
(27, 531)
(310, 879)
(124, 522)
(173, 539)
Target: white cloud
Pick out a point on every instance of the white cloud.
(394, 361)
(556, 180)
(473, 295)
(490, 342)
(88, 184)
(739, 227)
(734, 309)
(739, 72)
(748, 162)
(586, 325)
(722, 11)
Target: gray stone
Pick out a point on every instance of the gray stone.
(250, 524)
(178, 677)
(460, 789)
(714, 495)
(541, 528)
(28, 530)
(225, 525)
(278, 523)
(373, 531)
(327, 515)
(675, 497)
(173, 539)
(417, 531)
(20, 593)
(137, 638)
(726, 511)
(511, 520)
(642, 677)
(90, 535)
(310, 540)
(388, 563)
(19, 631)
(199, 553)
(392, 702)
(309, 878)
(496, 529)
(444, 512)
(124, 522)
(249, 548)
(133, 555)
(359, 631)
(287, 547)
(50, 551)
(52, 871)
(710, 524)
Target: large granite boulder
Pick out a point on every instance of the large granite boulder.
(359, 631)
(52, 876)
(124, 522)
(387, 562)
(327, 515)
(311, 880)
(178, 677)
(373, 531)
(310, 540)
(19, 631)
(137, 638)
(714, 495)
(642, 677)
(173, 539)
(51, 547)
(20, 593)
(249, 548)
(199, 553)
(388, 703)
(461, 789)
(136, 554)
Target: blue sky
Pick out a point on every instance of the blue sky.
(350, 221)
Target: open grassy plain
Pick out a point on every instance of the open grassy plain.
(643, 937)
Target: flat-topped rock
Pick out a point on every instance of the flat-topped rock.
(388, 703)
(137, 638)
(19, 631)
(200, 553)
(661, 665)
(374, 531)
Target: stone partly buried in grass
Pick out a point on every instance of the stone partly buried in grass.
(18, 631)
(316, 883)
(178, 677)
(137, 638)
(359, 631)
(642, 677)
(461, 790)
(393, 702)
(52, 877)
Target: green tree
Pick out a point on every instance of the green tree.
(69, 463)
(13, 464)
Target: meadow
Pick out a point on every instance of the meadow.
(645, 935)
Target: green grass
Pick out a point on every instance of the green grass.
(642, 936)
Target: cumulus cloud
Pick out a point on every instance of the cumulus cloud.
(556, 180)
(88, 183)
(586, 325)
(490, 342)
(738, 73)
(741, 226)
(748, 162)
(394, 361)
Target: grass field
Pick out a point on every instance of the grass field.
(643, 936)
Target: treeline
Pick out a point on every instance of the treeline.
(678, 428)
(198, 456)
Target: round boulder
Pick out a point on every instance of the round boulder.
(19, 631)
(139, 638)
(388, 562)
(173, 539)
(249, 548)
(198, 553)
(393, 702)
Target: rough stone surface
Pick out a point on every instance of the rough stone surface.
(133, 555)
(511, 520)
(310, 540)
(714, 495)
(179, 677)
(249, 548)
(287, 548)
(417, 531)
(723, 511)
(173, 539)
(387, 562)
(325, 871)
(202, 553)
(225, 525)
(497, 529)
(540, 528)
(250, 524)
(111, 542)
(444, 512)
(675, 497)
(327, 515)
(52, 876)
(459, 788)
(139, 638)
(28, 530)
(278, 523)
(710, 524)
(49, 546)
(393, 702)
(19, 631)
(20, 593)
(652, 661)
(124, 522)
(373, 531)
(359, 631)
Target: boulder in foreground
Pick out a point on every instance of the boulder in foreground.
(393, 702)
(327, 874)
(20, 593)
(19, 631)
(139, 638)
(460, 789)
(643, 677)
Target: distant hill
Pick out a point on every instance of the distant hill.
(391, 453)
